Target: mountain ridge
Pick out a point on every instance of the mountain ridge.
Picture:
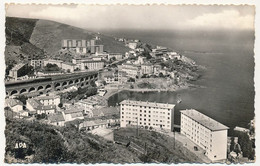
(37, 39)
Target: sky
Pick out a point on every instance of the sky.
(141, 17)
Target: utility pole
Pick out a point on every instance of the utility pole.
(137, 132)
(174, 137)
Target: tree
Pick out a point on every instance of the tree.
(245, 143)
(160, 74)
(22, 98)
(60, 105)
(131, 79)
(51, 67)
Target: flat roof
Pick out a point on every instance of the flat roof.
(148, 104)
(204, 120)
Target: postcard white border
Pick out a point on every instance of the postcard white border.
(136, 2)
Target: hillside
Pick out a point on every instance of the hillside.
(18, 46)
(35, 39)
(47, 35)
(51, 144)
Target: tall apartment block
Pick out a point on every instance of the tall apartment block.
(150, 114)
(206, 132)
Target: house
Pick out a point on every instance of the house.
(147, 68)
(117, 56)
(93, 124)
(56, 119)
(14, 104)
(72, 113)
(103, 111)
(87, 105)
(49, 99)
(17, 71)
(37, 107)
(132, 45)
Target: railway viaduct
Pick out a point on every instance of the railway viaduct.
(47, 84)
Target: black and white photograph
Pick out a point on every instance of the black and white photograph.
(126, 84)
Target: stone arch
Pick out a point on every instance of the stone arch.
(57, 85)
(70, 82)
(40, 88)
(6, 93)
(82, 79)
(23, 91)
(82, 84)
(48, 86)
(31, 89)
(64, 83)
(14, 92)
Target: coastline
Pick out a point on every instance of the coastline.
(112, 91)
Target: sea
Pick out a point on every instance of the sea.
(227, 93)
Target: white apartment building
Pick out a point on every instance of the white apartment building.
(206, 132)
(150, 114)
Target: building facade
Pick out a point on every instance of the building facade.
(207, 133)
(17, 71)
(147, 68)
(150, 114)
(37, 63)
(131, 69)
(49, 99)
(92, 65)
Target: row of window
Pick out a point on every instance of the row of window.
(122, 105)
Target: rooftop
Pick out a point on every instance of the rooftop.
(13, 102)
(148, 104)
(34, 103)
(56, 118)
(204, 120)
(73, 109)
(45, 97)
(18, 66)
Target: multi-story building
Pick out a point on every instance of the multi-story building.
(206, 132)
(37, 107)
(17, 71)
(150, 114)
(117, 56)
(37, 63)
(147, 68)
(49, 99)
(78, 45)
(94, 48)
(14, 104)
(92, 65)
(131, 69)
